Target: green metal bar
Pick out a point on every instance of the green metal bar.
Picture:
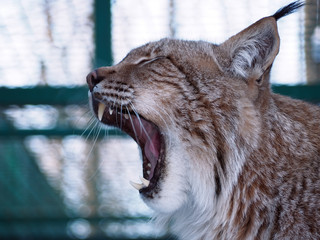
(309, 93)
(58, 132)
(63, 96)
(61, 222)
(79, 95)
(44, 95)
(103, 51)
(108, 219)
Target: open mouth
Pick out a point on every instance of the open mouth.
(145, 133)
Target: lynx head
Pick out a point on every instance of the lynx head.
(194, 109)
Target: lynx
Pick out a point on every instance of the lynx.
(223, 157)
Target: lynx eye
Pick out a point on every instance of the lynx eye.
(144, 61)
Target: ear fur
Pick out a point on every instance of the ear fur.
(252, 51)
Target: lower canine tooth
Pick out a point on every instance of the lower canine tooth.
(144, 181)
(110, 110)
(101, 109)
(137, 186)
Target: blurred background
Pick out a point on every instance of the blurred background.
(64, 176)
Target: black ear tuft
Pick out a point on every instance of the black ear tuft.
(292, 7)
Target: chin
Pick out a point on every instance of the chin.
(172, 193)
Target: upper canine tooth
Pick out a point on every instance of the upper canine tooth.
(101, 109)
(110, 110)
(144, 181)
(137, 186)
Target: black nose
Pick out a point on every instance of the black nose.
(93, 79)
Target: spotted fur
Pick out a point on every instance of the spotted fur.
(240, 161)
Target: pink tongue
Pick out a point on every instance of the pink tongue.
(151, 136)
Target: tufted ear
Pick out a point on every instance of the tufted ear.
(253, 50)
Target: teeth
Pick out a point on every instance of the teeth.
(144, 181)
(126, 116)
(101, 109)
(110, 110)
(137, 186)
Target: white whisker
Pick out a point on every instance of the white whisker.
(137, 114)
(133, 127)
(106, 133)
(154, 111)
(142, 128)
(90, 123)
(86, 114)
(92, 147)
(121, 115)
(92, 129)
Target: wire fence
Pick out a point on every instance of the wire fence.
(52, 43)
